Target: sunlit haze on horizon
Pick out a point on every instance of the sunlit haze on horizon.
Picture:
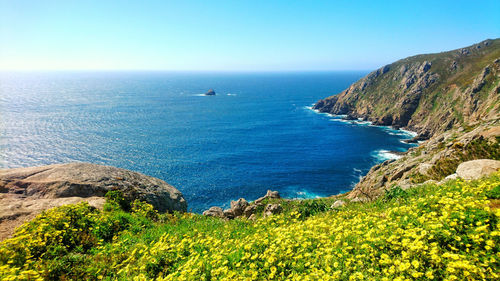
(234, 35)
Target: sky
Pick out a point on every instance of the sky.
(235, 35)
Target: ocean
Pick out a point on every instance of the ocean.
(257, 133)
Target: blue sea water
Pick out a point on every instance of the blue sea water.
(257, 133)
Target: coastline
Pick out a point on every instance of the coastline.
(381, 154)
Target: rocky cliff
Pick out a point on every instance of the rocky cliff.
(451, 99)
(428, 94)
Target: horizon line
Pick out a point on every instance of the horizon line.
(182, 70)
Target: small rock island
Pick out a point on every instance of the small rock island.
(210, 92)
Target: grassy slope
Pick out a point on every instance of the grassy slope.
(448, 232)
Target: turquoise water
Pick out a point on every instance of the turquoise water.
(257, 133)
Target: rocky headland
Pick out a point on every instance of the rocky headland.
(451, 99)
(427, 94)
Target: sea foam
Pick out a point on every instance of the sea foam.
(383, 155)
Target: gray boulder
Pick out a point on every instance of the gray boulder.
(88, 180)
(214, 212)
(477, 168)
(250, 210)
(239, 206)
(26, 192)
(451, 177)
(229, 214)
(269, 195)
(360, 199)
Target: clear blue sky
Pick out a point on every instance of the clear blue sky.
(235, 35)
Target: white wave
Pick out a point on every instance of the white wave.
(389, 129)
(317, 111)
(296, 192)
(341, 120)
(362, 122)
(383, 155)
(409, 133)
(232, 94)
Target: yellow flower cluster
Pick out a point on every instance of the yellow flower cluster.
(449, 235)
(447, 232)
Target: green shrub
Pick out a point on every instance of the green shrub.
(394, 193)
(309, 208)
(144, 209)
(115, 198)
(494, 193)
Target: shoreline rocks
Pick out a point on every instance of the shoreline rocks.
(242, 208)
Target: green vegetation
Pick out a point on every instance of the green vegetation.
(477, 149)
(494, 193)
(448, 232)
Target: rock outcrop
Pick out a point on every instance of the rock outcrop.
(269, 195)
(214, 212)
(476, 169)
(337, 204)
(241, 208)
(25, 192)
(210, 92)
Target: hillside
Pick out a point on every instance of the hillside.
(446, 232)
(451, 99)
(428, 94)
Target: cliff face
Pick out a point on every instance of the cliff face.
(429, 94)
(451, 99)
